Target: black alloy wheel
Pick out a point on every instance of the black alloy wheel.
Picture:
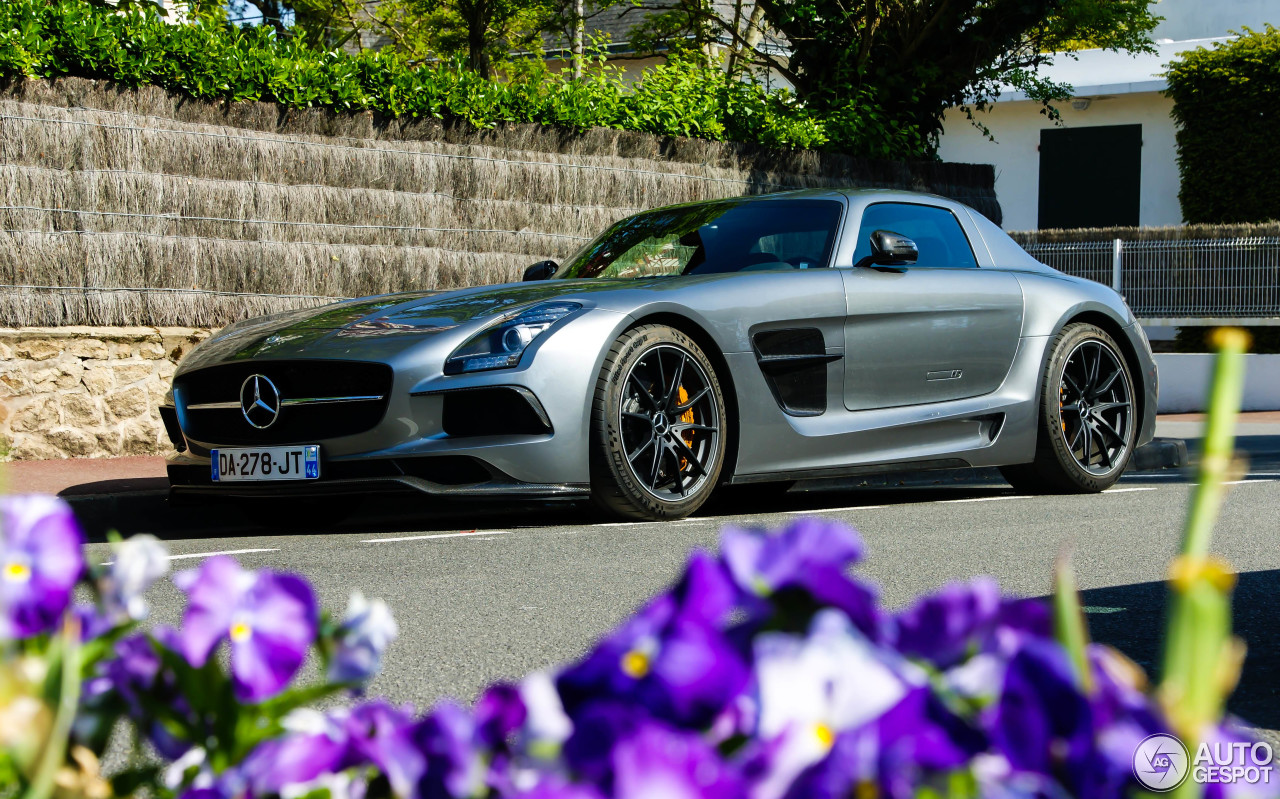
(1095, 403)
(1088, 417)
(657, 426)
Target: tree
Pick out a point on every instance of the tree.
(908, 61)
(482, 32)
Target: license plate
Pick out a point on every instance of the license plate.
(266, 463)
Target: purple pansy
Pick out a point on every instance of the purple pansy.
(269, 618)
(384, 736)
(962, 618)
(913, 743)
(811, 689)
(656, 760)
(626, 753)
(315, 745)
(802, 568)
(1042, 722)
(40, 562)
(674, 664)
(455, 753)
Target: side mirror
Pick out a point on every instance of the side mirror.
(891, 249)
(542, 270)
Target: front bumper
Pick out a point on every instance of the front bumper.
(190, 476)
(433, 437)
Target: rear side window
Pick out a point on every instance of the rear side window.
(935, 231)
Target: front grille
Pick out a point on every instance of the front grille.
(295, 380)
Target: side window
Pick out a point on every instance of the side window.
(935, 231)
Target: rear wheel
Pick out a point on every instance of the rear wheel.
(657, 426)
(1088, 417)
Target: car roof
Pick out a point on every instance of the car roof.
(840, 194)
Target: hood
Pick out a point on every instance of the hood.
(405, 318)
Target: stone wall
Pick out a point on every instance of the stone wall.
(87, 392)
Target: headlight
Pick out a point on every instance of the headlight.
(500, 345)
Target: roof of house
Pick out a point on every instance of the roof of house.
(1095, 72)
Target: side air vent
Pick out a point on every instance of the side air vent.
(497, 411)
(794, 362)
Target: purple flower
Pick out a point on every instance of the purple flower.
(269, 618)
(1042, 722)
(629, 754)
(675, 665)
(799, 570)
(40, 562)
(656, 760)
(898, 752)
(384, 736)
(811, 689)
(454, 751)
(366, 631)
(962, 619)
(314, 747)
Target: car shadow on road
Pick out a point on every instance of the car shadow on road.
(1131, 618)
(208, 518)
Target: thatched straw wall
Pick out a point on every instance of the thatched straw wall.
(122, 207)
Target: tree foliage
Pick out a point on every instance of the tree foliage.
(50, 38)
(1227, 106)
(483, 32)
(910, 60)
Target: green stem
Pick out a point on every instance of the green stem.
(1068, 621)
(55, 750)
(1219, 440)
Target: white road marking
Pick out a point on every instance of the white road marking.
(621, 524)
(980, 499)
(833, 510)
(1135, 488)
(434, 537)
(1242, 482)
(208, 554)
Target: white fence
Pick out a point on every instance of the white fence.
(1183, 281)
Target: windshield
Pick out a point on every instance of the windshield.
(722, 236)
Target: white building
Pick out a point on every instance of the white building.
(1112, 160)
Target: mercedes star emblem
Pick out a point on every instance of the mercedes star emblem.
(259, 401)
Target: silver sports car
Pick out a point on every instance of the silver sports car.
(756, 340)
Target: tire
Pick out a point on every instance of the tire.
(1087, 417)
(657, 426)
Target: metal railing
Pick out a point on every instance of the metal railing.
(1191, 280)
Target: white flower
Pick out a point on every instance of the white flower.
(546, 724)
(811, 689)
(139, 562)
(367, 630)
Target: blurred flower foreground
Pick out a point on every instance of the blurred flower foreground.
(766, 671)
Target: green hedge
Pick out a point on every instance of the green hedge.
(1227, 105)
(51, 38)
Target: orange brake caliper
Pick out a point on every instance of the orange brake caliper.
(682, 397)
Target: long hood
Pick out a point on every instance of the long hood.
(389, 322)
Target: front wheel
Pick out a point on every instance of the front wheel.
(1087, 419)
(657, 426)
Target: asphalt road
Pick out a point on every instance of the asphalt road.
(483, 593)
